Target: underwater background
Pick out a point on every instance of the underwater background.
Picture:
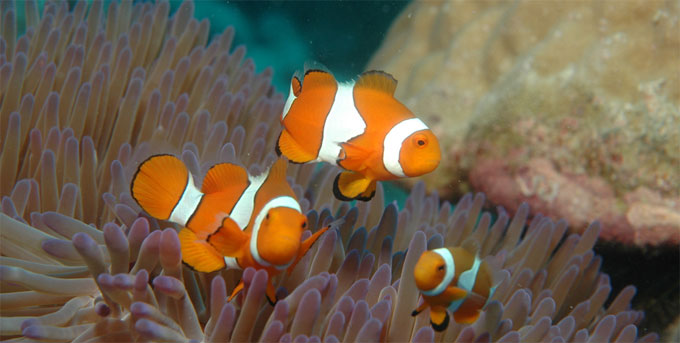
(413, 41)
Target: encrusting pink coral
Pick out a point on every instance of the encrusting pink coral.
(81, 262)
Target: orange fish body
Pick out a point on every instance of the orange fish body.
(452, 280)
(358, 126)
(234, 221)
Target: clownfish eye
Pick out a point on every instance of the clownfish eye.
(440, 268)
(420, 140)
(266, 217)
(304, 224)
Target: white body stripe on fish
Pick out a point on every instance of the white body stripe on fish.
(466, 281)
(289, 103)
(243, 209)
(231, 263)
(187, 204)
(393, 142)
(282, 201)
(342, 124)
(445, 253)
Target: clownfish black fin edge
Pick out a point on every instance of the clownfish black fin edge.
(336, 190)
(378, 80)
(139, 168)
(222, 175)
(443, 325)
(159, 183)
(288, 147)
(348, 178)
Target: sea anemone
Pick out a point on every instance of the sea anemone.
(84, 99)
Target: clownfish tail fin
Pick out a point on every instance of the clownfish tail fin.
(159, 183)
(198, 254)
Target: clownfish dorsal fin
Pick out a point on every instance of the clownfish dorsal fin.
(158, 184)
(221, 176)
(378, 80)
(318, 78)
(198, 254)
(277, 172)
(470, 245)
(296, 86)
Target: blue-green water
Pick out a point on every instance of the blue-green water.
(342, 35)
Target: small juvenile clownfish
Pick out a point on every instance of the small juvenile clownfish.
(235, 220)
(358, 126)
(452, 280)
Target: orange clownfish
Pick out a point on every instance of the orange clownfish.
(452, 279)
(235, 220)
(358, 126)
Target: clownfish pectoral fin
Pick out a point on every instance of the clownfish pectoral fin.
(288, 147)
(353, 157)
(236, 290)
(455, 293)
(270, 292)
(198, 254)
(222, 176)
(350, 186)
(158, 185)
(419, 309)
(467, 313)
(229, 239)
(439, 319)
(306, 245)
(378, 80)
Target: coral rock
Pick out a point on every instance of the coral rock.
(590, 87)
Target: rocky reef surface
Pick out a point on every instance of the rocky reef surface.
(570, 106)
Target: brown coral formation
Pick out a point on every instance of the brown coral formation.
(547, 102)
(87, 98)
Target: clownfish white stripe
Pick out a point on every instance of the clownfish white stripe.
(282, 201)
(289, 103)
(342, 124)
(231, 263)
(393, 142)
(187, 204)
(243, 209)
(450, 272)
(466, 280)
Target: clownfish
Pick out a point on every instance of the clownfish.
(235, 220)
(358, 126)
(452, 280)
